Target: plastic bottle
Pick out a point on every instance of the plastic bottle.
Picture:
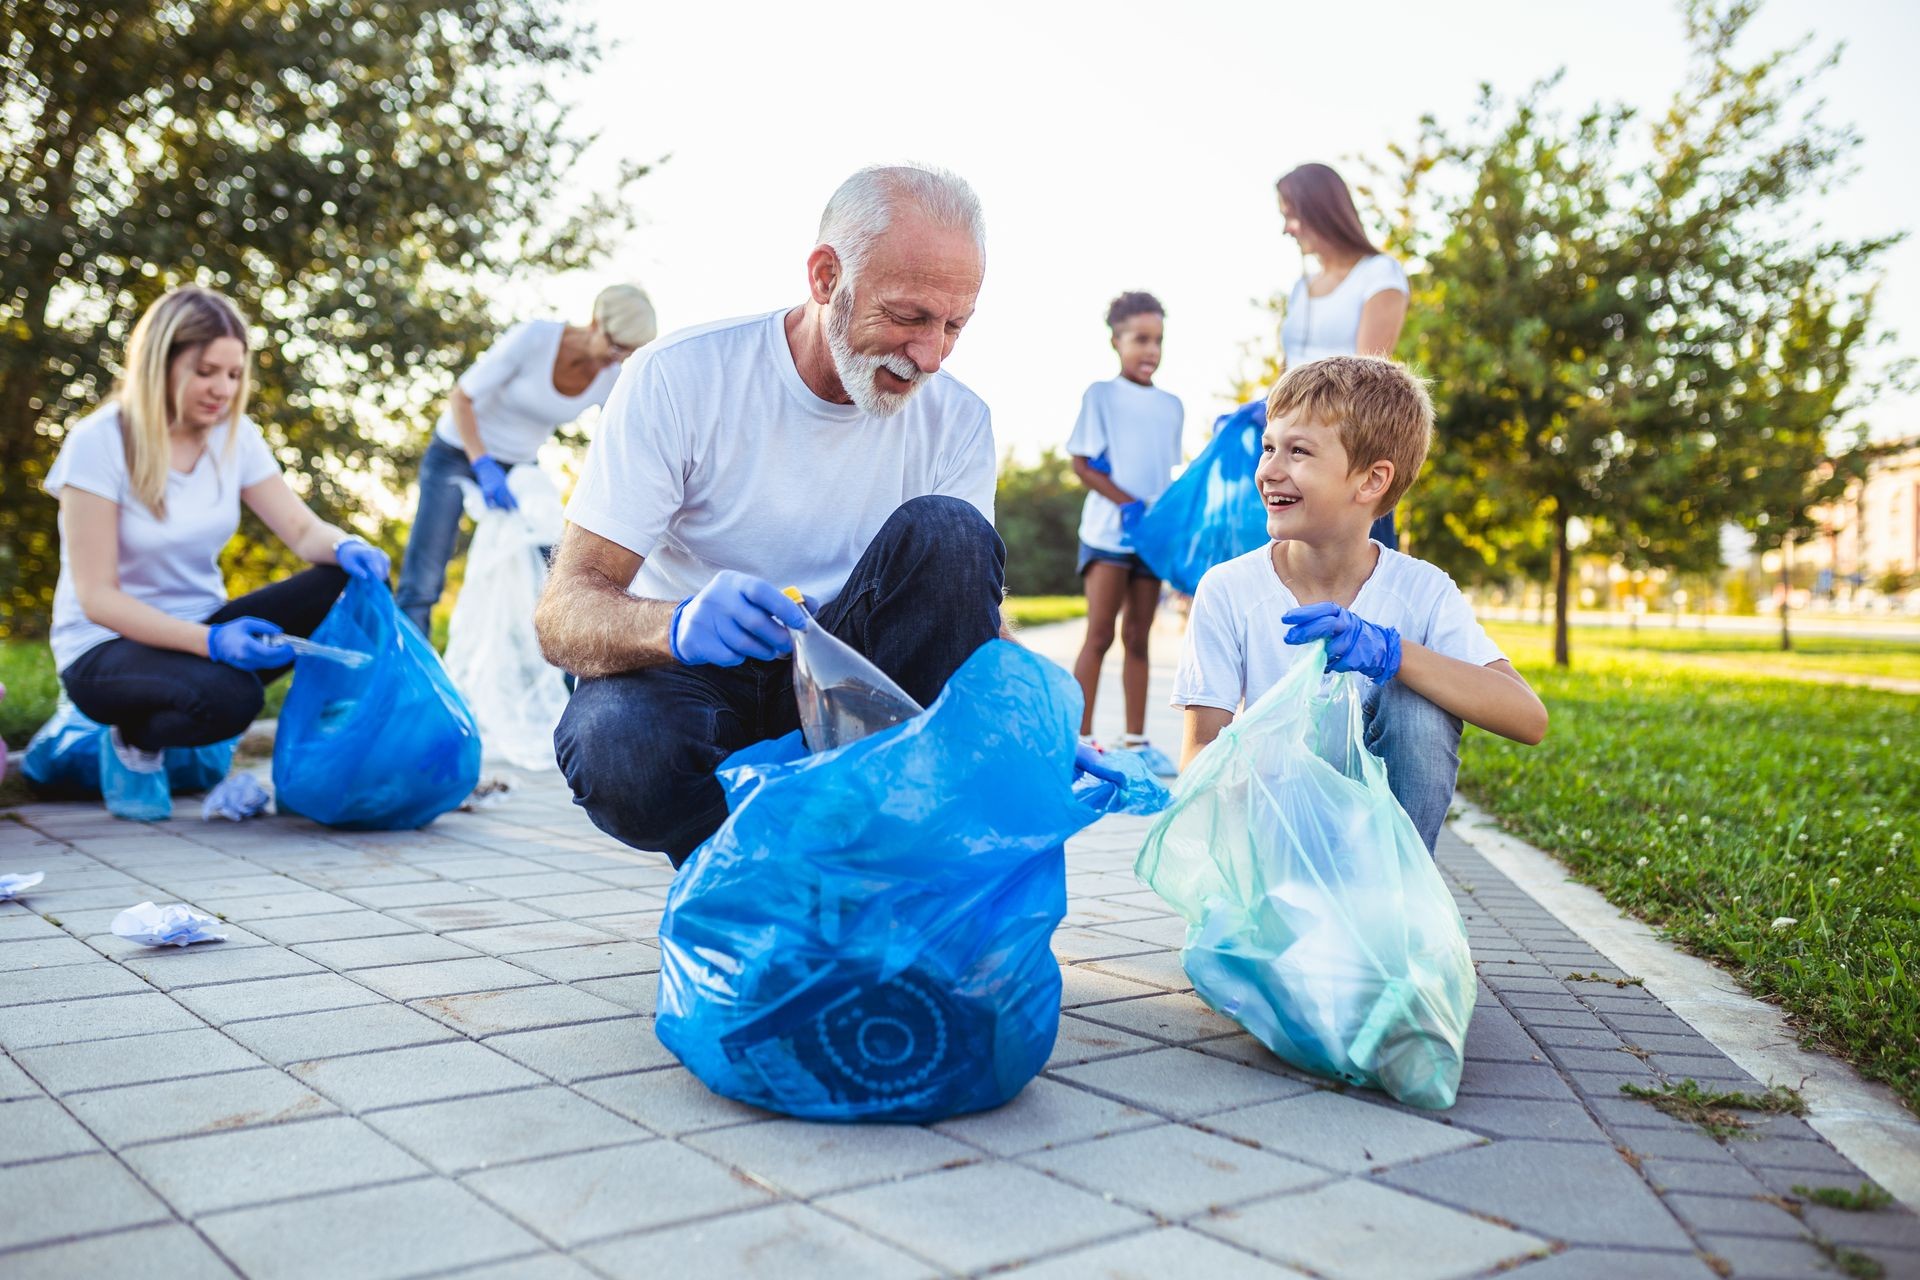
(843, 697)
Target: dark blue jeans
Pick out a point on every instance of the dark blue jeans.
(1420, 745)
(436, 531)
(639, 749)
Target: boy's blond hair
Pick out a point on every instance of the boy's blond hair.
(1380, 410)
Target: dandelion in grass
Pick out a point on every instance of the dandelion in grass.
(1641, 863)
(1878, 870)
(1783, 923)
(1833, 882)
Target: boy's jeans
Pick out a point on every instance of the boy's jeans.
(1420, 744)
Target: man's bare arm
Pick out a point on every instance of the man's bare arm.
(586, 621)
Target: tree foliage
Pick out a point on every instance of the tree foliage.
(1037, 511)
(358, 174)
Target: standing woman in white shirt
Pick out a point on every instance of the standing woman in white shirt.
(1356, 303)
(150, 487)
(540, 375)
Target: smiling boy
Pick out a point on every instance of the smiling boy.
(1345, 438)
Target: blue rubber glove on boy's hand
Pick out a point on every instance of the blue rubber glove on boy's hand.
(361, 559)
(731, 619)
(493, 484)
(240, 643)
(1087, 759)
(1353, 643)
(1130, 516)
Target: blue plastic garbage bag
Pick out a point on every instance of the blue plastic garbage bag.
(1213, 512)
(1315, 917)
(378, 747)
(63, 758)
(867, 935)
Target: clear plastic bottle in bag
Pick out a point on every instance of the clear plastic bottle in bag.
(843, 697)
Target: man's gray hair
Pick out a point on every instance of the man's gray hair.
(863, 207)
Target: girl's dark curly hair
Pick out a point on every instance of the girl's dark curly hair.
(1133, 303)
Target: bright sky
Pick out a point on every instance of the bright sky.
(1118, 144)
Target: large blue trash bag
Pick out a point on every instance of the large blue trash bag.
(378, 747)
(63, 758)
(1213, 512)
(1315, 916)
(866, 937)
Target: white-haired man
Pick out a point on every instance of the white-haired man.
(820, 446)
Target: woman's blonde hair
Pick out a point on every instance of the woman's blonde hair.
(185, 317)
(625, 315)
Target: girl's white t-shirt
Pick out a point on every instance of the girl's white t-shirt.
(171, 564)
(1236, 647)
(515, 404)
(1320, 327)
(1138, 428)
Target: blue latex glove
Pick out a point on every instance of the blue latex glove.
(362, 559)
(1089, 759)
(1353, 643)
(242, 643)
(1102, 464)
(733, 618)
(493, 484)
(1130, 516)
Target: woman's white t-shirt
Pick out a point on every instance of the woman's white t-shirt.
(1138, 428)
(1319, 327)
(1236, 647)
(515, 404)
(171, 564)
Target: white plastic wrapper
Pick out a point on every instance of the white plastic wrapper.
(492, 653)
(171, 926)
(12, 886)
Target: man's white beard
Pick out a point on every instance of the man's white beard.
(856, 370)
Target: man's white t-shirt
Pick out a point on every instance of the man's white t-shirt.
(171, 564)
(1138, 428)
(1236, 645)
(1319, 327)
(515, 404)
(713, 454)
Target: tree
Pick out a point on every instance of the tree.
(358, 174)
(1037, 511)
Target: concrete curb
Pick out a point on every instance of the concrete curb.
(1863, 1120)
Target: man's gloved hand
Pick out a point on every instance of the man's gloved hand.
(361, 559)
(1087, 759)
(493, 484)
(1130, 516)
(1103, 464)
(1353, 643)
(731, 619)
(240, 643)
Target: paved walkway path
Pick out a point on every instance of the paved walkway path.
(431, 1053)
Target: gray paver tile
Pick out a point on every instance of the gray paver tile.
(445, 978)
(1182, 1084)
(330, 927)
(587, 1049)
(572, 1199)
(417, 893)
(1357, 1230)
(68, 982)
(600, 901)
(1760, 1258)
(1342, 1132)
(1683, 1143)
(1081, 1041)
(1076, 945)
(102, 1064)
(544, 936)
(347, 954)
(274, 997)
(54, 1199)
(809, 1160)
(469, 913)
(473, 1133)
(1525, 1118)
(400, 1077)
(202, 1104)
(1173, 1018)
(172, 969)
(637, 993)
(1516, 1080)
(38, 1128)
(486, 1013)
(1778, 1153)
(276, 906)
(1153, 1256)
(1740, 1215)
(227, 1170)
(1616, 1264)
(1045, 1113)
(787, 1240)
(15, 1083)
(369, 1235)
(546, 1266)
(671, 1101)
(337, 1031)
(1174, 1171)
(940, 1215)
(169, 1252)
(534, 885)
(1081, 985)
(1583, 1193)
(481, 868)
(1714, 1177)
(613, 958)
(68, 1021)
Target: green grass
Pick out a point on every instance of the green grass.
(1870, 1198)
(1717, 1110)
(1034, 611)
(1865, 655)
(1765, 823)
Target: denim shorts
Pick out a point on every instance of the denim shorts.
(1136, 567)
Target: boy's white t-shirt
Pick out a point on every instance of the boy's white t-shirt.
(713, 454)
(171, 564)
(1319, 327)
(515, 404)
(1138, 428)
(1236, 645)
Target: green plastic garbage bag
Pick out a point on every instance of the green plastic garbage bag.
(1315, 917)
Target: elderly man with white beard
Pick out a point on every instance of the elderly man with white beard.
(820, 446)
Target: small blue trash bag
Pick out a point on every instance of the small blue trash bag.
(379, 747)
(1315, 916)
(1213, 512)
(63, 758)
(867, 935)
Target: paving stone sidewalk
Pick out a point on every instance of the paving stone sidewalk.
(431, 1053)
